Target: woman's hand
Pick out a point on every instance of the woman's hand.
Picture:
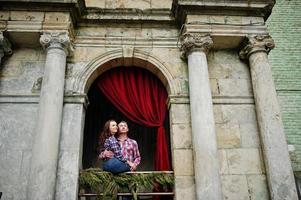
(106, 154)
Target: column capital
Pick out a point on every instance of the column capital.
(256, 43)
(5, 46)
(59, 40)
(195, 42)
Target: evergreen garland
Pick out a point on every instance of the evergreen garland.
(98, 181)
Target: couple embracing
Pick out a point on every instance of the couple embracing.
(119, 152)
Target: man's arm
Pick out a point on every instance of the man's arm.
(137, 157)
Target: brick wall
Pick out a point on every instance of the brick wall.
(285, 27)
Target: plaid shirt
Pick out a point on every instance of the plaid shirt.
(112, 144)
(130, 150)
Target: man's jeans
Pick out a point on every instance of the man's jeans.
(115, 166)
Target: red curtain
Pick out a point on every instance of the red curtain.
(141, 97)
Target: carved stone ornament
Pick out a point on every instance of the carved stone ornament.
(255, 43)
(60, 40)
(5, 46)
(195, 42)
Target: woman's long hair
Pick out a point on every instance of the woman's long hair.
(105, 133)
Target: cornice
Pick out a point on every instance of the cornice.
(182, 8)
(82, 14)
(128, 15)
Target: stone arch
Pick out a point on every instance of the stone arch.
(124, 57)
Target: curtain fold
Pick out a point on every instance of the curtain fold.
(141, 97)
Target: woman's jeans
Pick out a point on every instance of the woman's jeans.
(115, 166)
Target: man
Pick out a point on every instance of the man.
(129, 147)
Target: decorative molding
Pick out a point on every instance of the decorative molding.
(83, 79)
(195, 42)
(233, 100)
(74, 98)
(256, 43)
(217, 100)
(59, 40)
(111, 41)
(182, 8)
(129, 15)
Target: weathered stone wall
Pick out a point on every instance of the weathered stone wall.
(17, 124)
(286, 62)
(236, 127)
(101, 45)
(241, 162)
(18, 108)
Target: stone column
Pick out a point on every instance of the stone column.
(45, 150)
(5, 46)
(277, 162)
(206, 163)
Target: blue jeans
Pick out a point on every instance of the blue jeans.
(115, 166)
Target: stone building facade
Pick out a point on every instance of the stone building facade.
(212, 57)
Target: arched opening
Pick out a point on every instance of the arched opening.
(100, 109)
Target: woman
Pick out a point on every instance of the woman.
(108, 141)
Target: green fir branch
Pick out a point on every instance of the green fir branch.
(98, 181)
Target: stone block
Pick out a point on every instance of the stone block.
(249, 134)
(26, 16)
(111, 4)
(222, 155)
(159, 4)
(95, 3)
(214, 87)
(167, 32)
(244, 161)
(235, 187)
(220, 19)
(180, 113)
(253, 20)
(181, 136)
(26, 54)
(239, 114)
(12, 69)
(183, 162)
(145, 4)
(55, 17)
(228, 136)
(184, 188)
(226, 65)
(120, 31)
(87, 54)
(127, 4)
(4, 15)
(258, 187)
(218, 114)
(235, 87)
(91, 31)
